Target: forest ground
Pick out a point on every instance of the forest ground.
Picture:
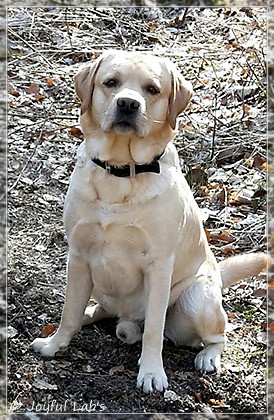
(222, 146)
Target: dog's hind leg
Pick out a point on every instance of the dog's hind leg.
(196, 318)
(94, 313)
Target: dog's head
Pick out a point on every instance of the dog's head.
(131, 95)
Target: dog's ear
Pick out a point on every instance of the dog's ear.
(84, 83)
(181, 93)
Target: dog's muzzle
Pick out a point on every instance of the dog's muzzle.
(127, 111)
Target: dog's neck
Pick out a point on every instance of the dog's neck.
(130, 171)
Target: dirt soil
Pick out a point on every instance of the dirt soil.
(222, 145)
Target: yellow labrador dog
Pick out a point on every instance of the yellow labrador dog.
(136, 241)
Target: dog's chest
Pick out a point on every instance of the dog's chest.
(117, 249)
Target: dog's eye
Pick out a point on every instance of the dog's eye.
(110, 83)
(153, 90)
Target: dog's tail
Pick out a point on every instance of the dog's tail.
(241, 267)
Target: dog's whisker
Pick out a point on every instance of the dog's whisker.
(149, 118)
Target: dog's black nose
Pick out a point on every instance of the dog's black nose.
(127, 105)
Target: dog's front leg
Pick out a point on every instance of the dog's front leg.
(79, 288)
(157, 282)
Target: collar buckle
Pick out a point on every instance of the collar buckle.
(132, 171)
(108, 168)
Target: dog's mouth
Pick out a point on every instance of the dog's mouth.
(124, 126)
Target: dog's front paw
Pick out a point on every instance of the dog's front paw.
(48, 346)
(153, 379)
(208, 360)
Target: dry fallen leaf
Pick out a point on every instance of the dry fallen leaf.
(224, 236)
(219, 403)
(42, 384)
(48, 330)
(246, 108)
(14, 93)
(271, 283)
(244, 196)
(116, 369)
(170, 396)
(197, 396)
(259, 292)
(268, 167)
(261, 337)
(50, 82)
(259, 162)
(271, 326)
(76, 132)
(33, 88)
(39, 96)
(207, 235)
(229, 249)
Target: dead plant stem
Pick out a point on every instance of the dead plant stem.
(39, 140)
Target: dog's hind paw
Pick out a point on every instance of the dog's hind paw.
(209, 359)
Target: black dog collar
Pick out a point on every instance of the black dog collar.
(130, 170)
